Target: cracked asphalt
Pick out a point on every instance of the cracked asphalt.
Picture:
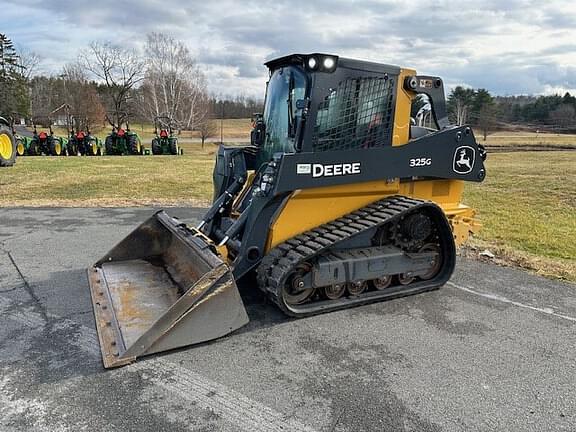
(492, 350)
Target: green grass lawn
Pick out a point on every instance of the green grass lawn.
(110, 180)
(527, 203)
(528, 208)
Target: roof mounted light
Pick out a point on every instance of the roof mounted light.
(321, 63)
(328, 63)
(312, 63)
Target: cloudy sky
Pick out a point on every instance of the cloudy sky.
(507, 46)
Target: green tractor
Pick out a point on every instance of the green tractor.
(83, 143)
(23, 139)
(7, 144)
(165, 142)
(123, 142)
(22, 144)
(46, 143)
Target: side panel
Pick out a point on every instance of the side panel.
(310, 208)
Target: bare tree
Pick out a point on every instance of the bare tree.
(487, 119)
(173, 86)
(30, 62)
(121, 70)
(44, 97)
(460, 103)
(461, 110)
(84, 103)
(207, 127)
(564, 116)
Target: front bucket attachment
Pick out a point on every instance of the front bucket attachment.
(160, 288)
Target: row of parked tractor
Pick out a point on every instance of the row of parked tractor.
(20, 142)
(46, 143)
(121, 141)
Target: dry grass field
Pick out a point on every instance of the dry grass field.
(110, 180)
(231, 128)
(526, 140)
(528, 208)
(506, 137)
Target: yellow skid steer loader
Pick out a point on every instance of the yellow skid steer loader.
(339, 201)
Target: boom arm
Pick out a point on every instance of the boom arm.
(433, 156)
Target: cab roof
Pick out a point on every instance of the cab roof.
(300, 59)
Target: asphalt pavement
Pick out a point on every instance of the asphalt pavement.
(492, 350)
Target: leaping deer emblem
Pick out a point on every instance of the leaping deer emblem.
(463, 161)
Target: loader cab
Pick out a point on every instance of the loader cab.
(286, 92)
(320, 102)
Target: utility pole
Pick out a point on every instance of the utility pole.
(222, 122)
(64, 76)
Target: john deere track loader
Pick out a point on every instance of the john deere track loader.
(337, 202)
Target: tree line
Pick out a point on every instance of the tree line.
(552, 111)
(489, 113)
(110, 84)
(236, 107)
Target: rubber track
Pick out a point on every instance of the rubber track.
(281, 260)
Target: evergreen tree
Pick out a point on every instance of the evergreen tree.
(14, 91)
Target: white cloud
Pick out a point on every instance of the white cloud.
(512, 47)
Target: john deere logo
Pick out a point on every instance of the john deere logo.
(464, 159)
(321, 170)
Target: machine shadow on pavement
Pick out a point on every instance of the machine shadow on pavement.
(261, 311)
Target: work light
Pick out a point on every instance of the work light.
(312, 62)
(329, 63)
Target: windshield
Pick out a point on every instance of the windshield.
(285, 88)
